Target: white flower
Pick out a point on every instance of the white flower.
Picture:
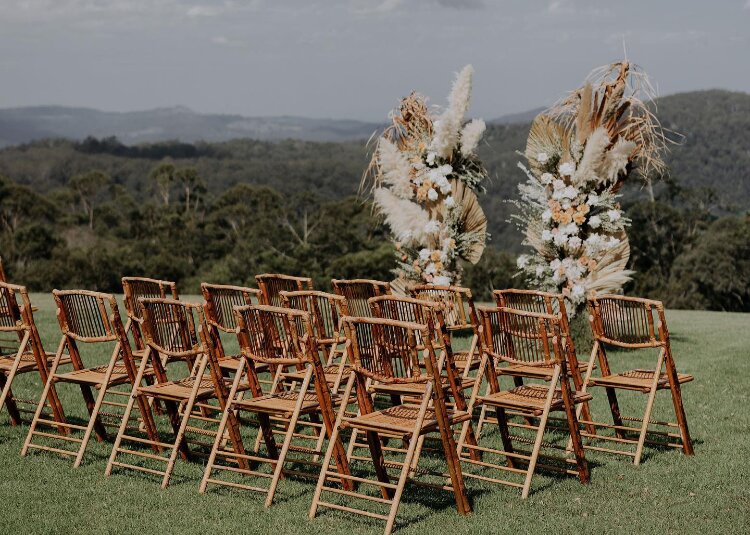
(556, 263)
(431, 158)
(570, 192)
(450, 202)
(432, 227)
(558, 184)
(441, 281)
(574, 243)
(430, 268)
(432, 194)
(539, 271)
(547, 215)
(593, 199)
(577, 291)
(595, 221)
(542, 157)
(571, 229)
(613, 215)
(547, 178)
(560, 239)
(424, 254)
(546, 235)
(567, 169)
(613, 242)
(445, 169)
(522, 261)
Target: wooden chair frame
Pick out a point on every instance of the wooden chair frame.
(133, 289)
(628, 323)
(269, 335)
(386, 351)
(271, 284)
(88, 318)
(173, 331)
(28, 355)
(540, 303)
(541, 341)
(357, 292)
(460, 316)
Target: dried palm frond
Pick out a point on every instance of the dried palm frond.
(472, 219)
(610, 274)
(621, 102)
(545, 136)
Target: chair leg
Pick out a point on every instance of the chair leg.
(288, 438)
(502, 423)
(93, 421)
(646, 418)
(405, 469)
(679, 408)
(540, 434)
(6, 398)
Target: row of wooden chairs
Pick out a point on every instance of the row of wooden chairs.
(306, 358)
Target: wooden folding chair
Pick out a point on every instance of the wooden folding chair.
(386, 352)
(326, 311)
(174, 331)
(271, 284)
(627, 323)
(133, 289)
(536, 340)
(539, 302)
(90, 318)
(26, 355)
(460, 318)
(269, 335)
(358, 291)
(220, 301)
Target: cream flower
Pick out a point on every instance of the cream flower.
(567, 169)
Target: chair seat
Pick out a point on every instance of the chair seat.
(232, 363)
(282, 403)
(637, 380)
(531, 398)
(28, 362)
(401, 419)
(180, 390)
(416, 389)
(534, 372)
(331, 373)
(94, 376)
(461, 360)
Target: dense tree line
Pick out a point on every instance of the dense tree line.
(86, 213)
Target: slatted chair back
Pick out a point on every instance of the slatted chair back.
(457, 302)
(325, 311)
(358, 291)
(11, 318)
(221, 300)
(411, 310)
(533, 301)
(387, 351)
(136, 287)
(269, 334)
(170, 328)
(271, 284)
(520, 337)
(627, 322)
(83, 315)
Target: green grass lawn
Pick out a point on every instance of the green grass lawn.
(670, 493)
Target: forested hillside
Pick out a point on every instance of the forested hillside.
(85, 213)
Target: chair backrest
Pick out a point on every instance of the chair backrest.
(458, 305)
(358, 291)
(92, 318)
(11, 316)
(136, 287)
(627, 321)
(521, 337)
(221, 300)
(410, 310)
(325, 311)
(271, 284)
(269, 334)
(530, 301)
(86, 316)
(171, 327)
(388, 351)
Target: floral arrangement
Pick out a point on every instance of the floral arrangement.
(425, 175)
(579, 153)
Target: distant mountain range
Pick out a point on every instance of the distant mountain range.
(22, 125)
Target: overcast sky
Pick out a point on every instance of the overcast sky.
(354, 58)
